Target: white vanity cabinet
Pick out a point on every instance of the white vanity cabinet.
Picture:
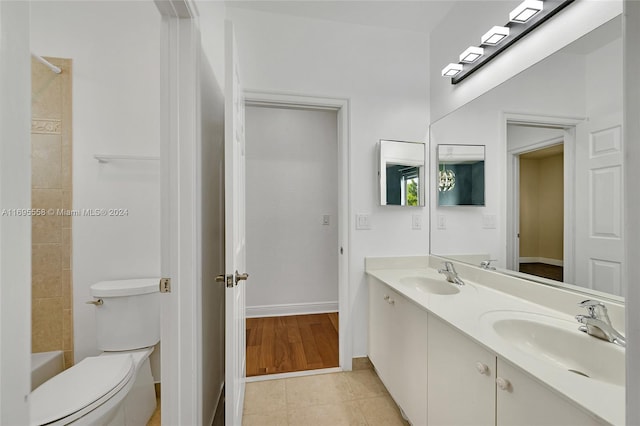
(398, 348)
(470, 385)
(462, 376)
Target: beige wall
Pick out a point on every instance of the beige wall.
(542, 207)
(51, 312)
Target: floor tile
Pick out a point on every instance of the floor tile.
(317, 390)
(365, 384)
(264, 397)
(274, 418)
(343, 414)
(381, 411)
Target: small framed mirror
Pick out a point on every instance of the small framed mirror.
(460, 175)
(402, 173)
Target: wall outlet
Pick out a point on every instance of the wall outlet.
(326, 219)
(442, 221)
(489, 221)
(416, 222)
(363, 221)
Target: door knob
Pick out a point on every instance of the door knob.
(220, 278)
(241, 277)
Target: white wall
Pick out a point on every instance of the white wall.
(15, 231)
(384, 74)
(292, 182)
(468, 20)
(115, 50)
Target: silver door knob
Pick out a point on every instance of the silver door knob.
(241, 277)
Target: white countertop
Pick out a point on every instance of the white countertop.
(465, 311)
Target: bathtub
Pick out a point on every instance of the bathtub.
(45, 365)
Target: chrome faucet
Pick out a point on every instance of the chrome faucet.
(450, 273)
(597, 323)
(486, 264)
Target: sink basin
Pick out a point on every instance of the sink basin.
(429, 285)
(559, 342)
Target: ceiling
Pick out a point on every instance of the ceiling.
(416, 15)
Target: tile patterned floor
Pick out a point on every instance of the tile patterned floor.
(347, 398)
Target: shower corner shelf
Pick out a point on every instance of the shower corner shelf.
(106, 158)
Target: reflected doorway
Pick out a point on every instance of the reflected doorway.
(541, 206)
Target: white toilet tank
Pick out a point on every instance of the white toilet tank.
(129, 315)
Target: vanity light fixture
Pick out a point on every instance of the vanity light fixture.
(451, 70)
(471, 55)
(527, 10)
(529, 15)
(495, 35)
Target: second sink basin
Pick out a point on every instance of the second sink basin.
(560, 343)
(429, 285)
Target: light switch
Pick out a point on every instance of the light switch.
(416, 222)
(326, 219)
(442, 221)
(489, 221)
(363, 221)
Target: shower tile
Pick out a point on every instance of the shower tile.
(46, 275)
(67, 330)
(46, 324)
(46, 92)
(46, 161)
(65, 261)
(46, 228)
(66, 169)
(68, 359)
(67, 205)
(67, 289)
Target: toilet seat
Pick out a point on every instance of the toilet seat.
(81, 389)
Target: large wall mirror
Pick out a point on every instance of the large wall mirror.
(402, 173)
(553, 209)
(460, 175)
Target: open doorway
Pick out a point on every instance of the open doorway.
(292, 219)
(541, 205)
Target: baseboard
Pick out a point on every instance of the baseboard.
(291, 309)
(545, 260)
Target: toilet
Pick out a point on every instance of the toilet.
(116, 387)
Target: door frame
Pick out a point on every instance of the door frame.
(342, 107)
(180, 226)
(568, 124)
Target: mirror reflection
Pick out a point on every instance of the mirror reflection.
(460, 175)
(402, 173)
(554, 202)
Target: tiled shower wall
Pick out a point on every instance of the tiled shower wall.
(51, 194)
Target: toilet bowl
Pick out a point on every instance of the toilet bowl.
(116, 387)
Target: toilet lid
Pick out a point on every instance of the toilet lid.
(86, 383)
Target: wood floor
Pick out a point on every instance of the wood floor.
(543, 270)
(292, 343)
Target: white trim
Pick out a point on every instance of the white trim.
(545, 260)
(304, 373)
(181, 348)
(342, 106)
(260, 311)
(15, 231)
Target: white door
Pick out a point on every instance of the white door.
(234, 234)
(599, 245)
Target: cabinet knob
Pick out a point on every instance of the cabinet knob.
(389, 300)
(503, 384)
(482, 368)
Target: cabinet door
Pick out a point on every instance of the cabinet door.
(409, 353)
(461, 386)
(525, 401)
(379, 329)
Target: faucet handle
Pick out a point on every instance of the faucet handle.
(448, 266)
(594, 308)
(486, 264)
